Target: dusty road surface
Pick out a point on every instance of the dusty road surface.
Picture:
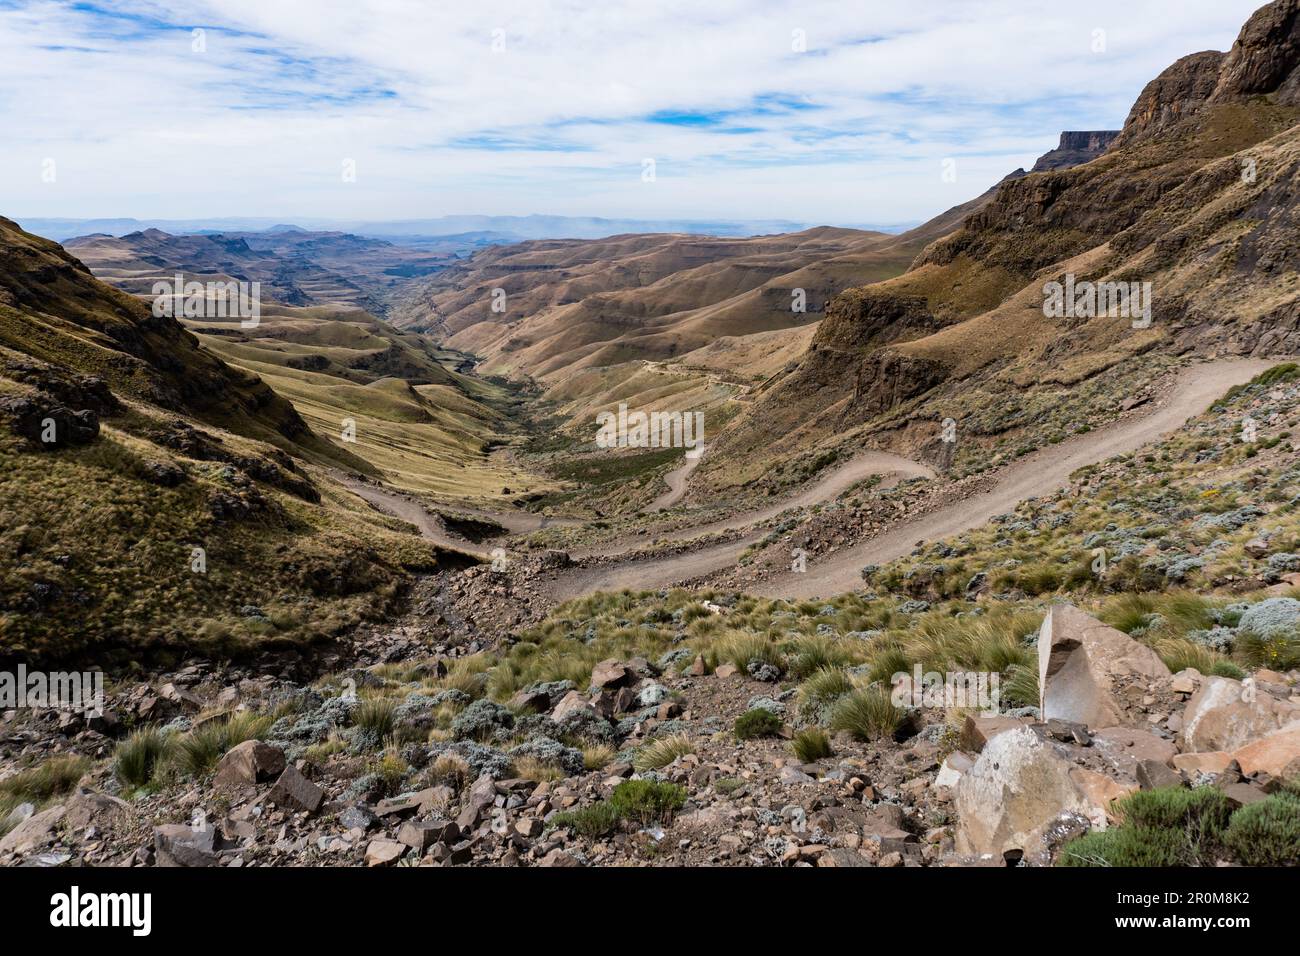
(1041, 473)
(893, 468)
(676, 480)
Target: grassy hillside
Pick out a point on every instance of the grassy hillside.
(124, 446)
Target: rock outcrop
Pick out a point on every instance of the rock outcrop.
(1226, 714)
(1079, 659)
(1017, 789)
(1076, 148)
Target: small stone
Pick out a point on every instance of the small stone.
(384, 852)
(1153, 775)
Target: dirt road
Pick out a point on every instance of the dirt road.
(1041, 473)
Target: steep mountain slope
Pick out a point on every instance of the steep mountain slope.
(153, 499)
(53, 310)
(1197, 196)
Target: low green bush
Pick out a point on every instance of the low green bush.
(757, 723)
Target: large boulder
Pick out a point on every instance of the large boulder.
(1078, 659)
(1225, 714)
(1017, 789)
(1277, 754)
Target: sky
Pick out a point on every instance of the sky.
(819, 111)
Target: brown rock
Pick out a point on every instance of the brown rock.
(296, 792)
(535, 701)
(1277, 754)
(1154, 774)
(610, 673)
(1256, 548)
(482, 794)
(179, 844)
(34, 832)
(1186, 681)
(570, 703)
(668, 710)
(419, 835)
(1243, 794)
(89, 808)
(558, 857)
(1078, 659)
(1100, 791)
(1123, 748)
(842, 857)
(726, 670)
(528, 827)
(978, 730)
(249, 763)
(384, 852)
(1213, 762)
(1225, 714)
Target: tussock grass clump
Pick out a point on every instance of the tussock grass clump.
(820, 692)
(1019, 687)
(647, 801)
(741, 648)
(198, 751)
(867, 714)
(449, 768)
(660, 753)
(1179, 653)
(137, 758)
(811, 654)
(390, 772)
(375, 714)
(317, 754)
(54, 777)
(537, 770)
(757, 723)
(811, 744)
(885, 661)
(597, 756)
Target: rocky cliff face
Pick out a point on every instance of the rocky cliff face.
(1265, 61)
(1076, 148)
(1266, 57)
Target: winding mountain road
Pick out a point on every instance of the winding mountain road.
(1041, 473)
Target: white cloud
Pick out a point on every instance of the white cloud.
(260, 123)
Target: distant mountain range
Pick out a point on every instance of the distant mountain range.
(467, 231)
